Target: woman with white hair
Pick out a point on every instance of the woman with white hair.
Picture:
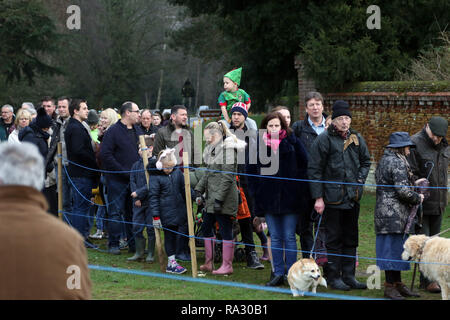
(23, 119)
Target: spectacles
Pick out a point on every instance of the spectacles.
(135, 111)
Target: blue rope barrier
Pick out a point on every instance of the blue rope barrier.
(226, 283)
(261, 176)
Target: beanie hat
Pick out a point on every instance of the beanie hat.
(92, 117)
(43, 120)
(240, 107)
(341, 108)
(235, 75)
(438, 126)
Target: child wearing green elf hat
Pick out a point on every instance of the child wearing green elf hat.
(232, 93)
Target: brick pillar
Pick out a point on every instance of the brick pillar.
(305, 85)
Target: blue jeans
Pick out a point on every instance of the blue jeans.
(101, 213)
(119, 209)
(81, 207)
(282, 233)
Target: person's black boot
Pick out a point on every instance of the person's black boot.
(334, 280)
(349, 269)
(276, 281)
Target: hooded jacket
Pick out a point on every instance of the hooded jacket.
(218, 183)
(167, 197)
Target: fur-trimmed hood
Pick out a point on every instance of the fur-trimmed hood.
(234, 143)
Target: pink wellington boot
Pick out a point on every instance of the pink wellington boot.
(209, 255)
(227, 259)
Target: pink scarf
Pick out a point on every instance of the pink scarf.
(274, 143)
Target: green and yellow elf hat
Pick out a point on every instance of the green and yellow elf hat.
(235, 75)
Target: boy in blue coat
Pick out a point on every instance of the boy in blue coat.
(141, 210)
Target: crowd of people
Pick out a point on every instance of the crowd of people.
(105, 180)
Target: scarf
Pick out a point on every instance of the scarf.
(274, 142)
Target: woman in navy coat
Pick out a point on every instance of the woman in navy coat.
(281, 157)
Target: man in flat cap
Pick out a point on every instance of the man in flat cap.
(430, 159)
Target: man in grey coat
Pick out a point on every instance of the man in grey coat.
(430, 159)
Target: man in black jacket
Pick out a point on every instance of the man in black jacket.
(80, 152)
(339, 156)
(119, 151)
(308, 130)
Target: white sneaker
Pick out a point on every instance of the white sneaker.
(97, 235)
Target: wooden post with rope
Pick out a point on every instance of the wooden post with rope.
(187, 187)
(60, 189)
(159, 248)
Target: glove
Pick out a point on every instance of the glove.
(218, 206)
(157, 223)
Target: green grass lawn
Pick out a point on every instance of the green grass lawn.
(115, 286)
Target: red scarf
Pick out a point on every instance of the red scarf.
(274, 142)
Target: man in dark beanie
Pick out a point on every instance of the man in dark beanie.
(430, 160)
(338, 155)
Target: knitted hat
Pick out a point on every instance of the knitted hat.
(92, 117)
(240, 107)
(235, 75)
(341, 108)
(438, 126)
(43, 120)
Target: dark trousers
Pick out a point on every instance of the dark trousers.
(305, 229)
(183, 238)
(225, 225)
(142, 219)
(170, 240)
(341, 227)
(52, 199)
(246, 227)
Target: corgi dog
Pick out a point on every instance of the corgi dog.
(303, 276)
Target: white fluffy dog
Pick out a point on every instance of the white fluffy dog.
(434, 252)
(303, 276)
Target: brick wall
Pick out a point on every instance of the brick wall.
(377, 114)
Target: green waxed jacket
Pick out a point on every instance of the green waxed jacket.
(218, 182)
(334, 159)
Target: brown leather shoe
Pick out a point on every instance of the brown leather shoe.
(404, 291)
(434, 288)
(391, 292)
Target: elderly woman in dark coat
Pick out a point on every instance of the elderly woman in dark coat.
(278, 199)
(392, 209)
